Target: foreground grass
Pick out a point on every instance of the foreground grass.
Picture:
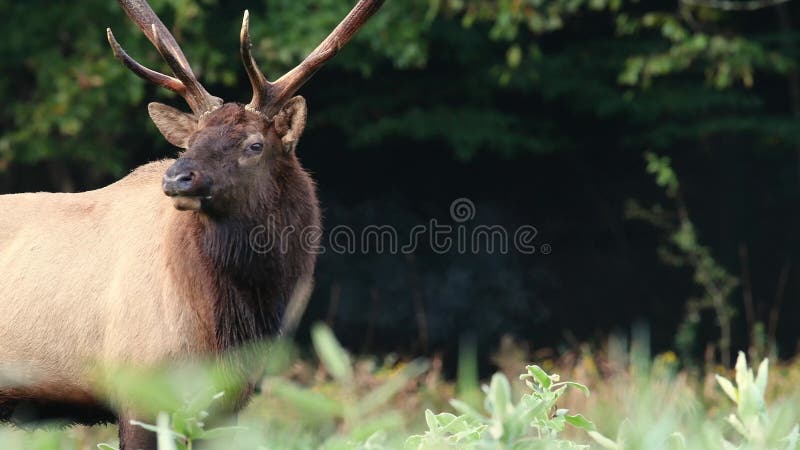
(337, 403)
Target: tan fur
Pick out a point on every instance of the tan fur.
(87, 277)
(176, 125)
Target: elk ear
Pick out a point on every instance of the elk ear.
(291, 121)
(174, 124)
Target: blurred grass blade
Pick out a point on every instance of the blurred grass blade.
(792, 438)
(604, 441)
(313, 403)
(468, 382)
(330, 352)
(383, 393)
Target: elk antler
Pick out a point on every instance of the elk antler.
(268, 97)
(185, 82)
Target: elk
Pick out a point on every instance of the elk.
(160, 265)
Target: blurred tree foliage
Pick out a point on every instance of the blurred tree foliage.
(67, 99)
(589, 80)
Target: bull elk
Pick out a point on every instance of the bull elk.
(126, 274)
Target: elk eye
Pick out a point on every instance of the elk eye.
(256, 148)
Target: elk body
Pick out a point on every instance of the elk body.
(126, 274)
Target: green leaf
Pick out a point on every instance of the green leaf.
(579, 421)
(738, 425)
(579, 386)
(514, 56)
(540, 376)
(728, 388)
(452, 424)
(676, 441)
(762, 376)
(221, 432)
(743, 374)
(413, 442)
(499, 398)
(531, 407)
(432, 421)
(465, 409)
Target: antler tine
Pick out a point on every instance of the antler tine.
(269, 97)
(261, 87)
(173, 84)
(199, 100)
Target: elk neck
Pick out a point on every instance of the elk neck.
(252, 263)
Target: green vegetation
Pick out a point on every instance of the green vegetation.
(341, 404)
(683, 249)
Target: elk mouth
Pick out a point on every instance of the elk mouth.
(189, 203)
(186, 185)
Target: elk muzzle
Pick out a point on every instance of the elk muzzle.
(186, 184)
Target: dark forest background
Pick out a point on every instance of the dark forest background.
(574, 116)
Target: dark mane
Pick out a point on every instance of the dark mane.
(253, 283)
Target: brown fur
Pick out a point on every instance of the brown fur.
(118, 275)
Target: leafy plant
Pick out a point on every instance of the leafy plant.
(534, 422)
(651, 409)
(182, 429)
(751, 421)
(683, 249)
(355, 415)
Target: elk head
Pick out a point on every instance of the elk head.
(229, 150)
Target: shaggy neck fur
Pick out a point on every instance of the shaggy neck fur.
(253, 281)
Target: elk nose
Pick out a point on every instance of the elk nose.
(183, 179)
